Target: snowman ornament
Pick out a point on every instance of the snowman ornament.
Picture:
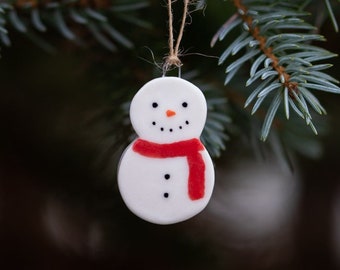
(166, 175)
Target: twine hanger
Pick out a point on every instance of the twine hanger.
(173, 57)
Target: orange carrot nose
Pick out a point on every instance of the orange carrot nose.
(170, 113)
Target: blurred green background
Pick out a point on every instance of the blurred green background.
(63, 128)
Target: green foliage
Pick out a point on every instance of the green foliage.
(3, 31)
(285, 66)
(69, 18)
(218, 122)
(332, 16)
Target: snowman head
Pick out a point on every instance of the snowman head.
(168, 109)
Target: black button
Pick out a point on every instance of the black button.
(167, 176)
(166, 195)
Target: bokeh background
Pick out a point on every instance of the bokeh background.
(63, 128)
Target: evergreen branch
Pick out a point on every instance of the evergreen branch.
(218, 123)
(29, 16)
(270, 116)
(3, 31)
(284, 61)
(332, 16)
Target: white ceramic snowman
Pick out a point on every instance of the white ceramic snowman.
(166, 175)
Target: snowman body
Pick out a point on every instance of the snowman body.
(166, 175)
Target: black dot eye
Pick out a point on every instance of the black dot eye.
(154, 104)
(185, 104)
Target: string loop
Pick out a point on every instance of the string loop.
(172, 59)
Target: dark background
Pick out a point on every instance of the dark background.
(62, 131)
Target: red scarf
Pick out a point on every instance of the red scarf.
(189, 149)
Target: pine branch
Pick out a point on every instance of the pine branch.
(278, 42)
(331, 15)
(31, 17)
(218, 123)
(3, 30)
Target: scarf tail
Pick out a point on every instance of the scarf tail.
(196, 183)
